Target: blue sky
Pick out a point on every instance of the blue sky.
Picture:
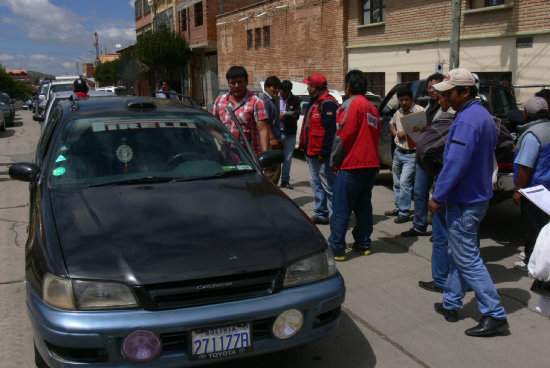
(51, 36)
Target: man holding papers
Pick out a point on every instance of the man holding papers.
(532, 167)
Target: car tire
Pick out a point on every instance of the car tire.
(40, 363)
(3, 127)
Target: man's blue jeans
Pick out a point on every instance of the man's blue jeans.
(288, 149)
(352, 192)
(466, 266)
(403, 176)
(422, 184)
(321, 178)
(440, 251)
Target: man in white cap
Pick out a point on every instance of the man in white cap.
(465, 186)
(532, 167)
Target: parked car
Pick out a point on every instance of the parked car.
(156, 241)
(502, 105)
(8, 108)
(2, 119)
(118, 90)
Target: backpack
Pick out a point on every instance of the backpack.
(431, 144)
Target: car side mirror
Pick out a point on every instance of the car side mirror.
(38, 117)
(24, 171)
(270, 158)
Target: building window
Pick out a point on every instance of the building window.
(376, 83)
(373, 11)
(408, 76)
(146, 6)
(198, 14)
(183, 20)
(267, 36)
(476, 4)
(138, 9)
(258, 38)
(249, 40)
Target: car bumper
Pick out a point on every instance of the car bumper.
(71, 339)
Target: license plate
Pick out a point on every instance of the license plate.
(220, 342)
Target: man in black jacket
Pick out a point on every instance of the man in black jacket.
(290, 112)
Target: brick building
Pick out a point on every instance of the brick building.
(20, 75)
(195, 20)
(402, 40)
(287, 38)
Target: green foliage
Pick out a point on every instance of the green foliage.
(162, 51)
(107, 73)
(16, 89)
(125, 69)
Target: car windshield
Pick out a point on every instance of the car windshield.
(127, 150)
(44, 88)
(61, 87)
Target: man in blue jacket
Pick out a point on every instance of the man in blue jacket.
(465, 186)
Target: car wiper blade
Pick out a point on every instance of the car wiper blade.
(142, 180)
(229, 173)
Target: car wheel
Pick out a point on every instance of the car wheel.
(3, 127)
(40, 363)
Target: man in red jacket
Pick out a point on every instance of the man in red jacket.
(355, 157)
(80, 87)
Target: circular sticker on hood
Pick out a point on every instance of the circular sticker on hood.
(124, 153)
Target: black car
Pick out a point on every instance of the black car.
(155, 240)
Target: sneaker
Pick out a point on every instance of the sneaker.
(363, 250)
(520, 265)
(413, 232)
(394, 212)
(339, 255)
(402, 219)
(319, 221)
(522, 256)
(286, 184)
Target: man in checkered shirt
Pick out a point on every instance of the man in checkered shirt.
(248, 108)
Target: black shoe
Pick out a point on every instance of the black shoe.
(430, 286)
(394, 212)
(413, 232)
(319, 221)
(339, 255)
(363, 250)
(451, 315)
(431, 239)
(402, 219)
(488, 326)
(286, 184)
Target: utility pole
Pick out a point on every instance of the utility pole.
(97, 61)
(454, 57)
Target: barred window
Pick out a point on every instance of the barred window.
(183, 20)
(198, 14)
(373, 11)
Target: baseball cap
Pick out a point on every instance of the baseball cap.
(535, 104)
(317, 79)
(456, 78)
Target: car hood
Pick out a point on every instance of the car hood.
(146, 234)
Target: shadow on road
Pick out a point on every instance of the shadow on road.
(345, 347)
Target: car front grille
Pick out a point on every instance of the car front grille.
(211, 291)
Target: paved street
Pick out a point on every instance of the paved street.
(388, 321)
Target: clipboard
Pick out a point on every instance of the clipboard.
(539, 195)
(413, 125)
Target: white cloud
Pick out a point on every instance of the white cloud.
(50, 23)
(41, 57)
(5, 57)
(68, 64)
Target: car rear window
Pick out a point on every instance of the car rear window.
(104, 150)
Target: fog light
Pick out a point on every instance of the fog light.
(141, 346)
(288, 324)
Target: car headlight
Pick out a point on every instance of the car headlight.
(64, 293)
(316, 267)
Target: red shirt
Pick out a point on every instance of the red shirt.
(357, 133)
(249, 111)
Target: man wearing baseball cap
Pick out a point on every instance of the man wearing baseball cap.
(80, 87)
(316, 140)
(464, 188)
(531, 168)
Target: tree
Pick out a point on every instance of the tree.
(162, 51)
(107, 73)
(16, 89)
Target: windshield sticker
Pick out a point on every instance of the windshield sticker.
(59, 171)
(61, 158)
(180, 124)
(244, 167)
(124, 153)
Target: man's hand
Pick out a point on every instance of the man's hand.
(400, 134)
(517, 197)
(433, 206)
